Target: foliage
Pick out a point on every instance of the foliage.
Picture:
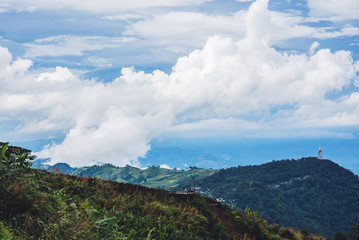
(154, 176)
(312, 194)
(12, 164)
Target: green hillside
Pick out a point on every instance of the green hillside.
(36, 204)
(316, 195)
(154, 176)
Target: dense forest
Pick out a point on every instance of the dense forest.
(35, 204)
(312, 194)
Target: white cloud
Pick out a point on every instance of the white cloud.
(174, 33)
(214, 127)
(229, 85)
(98, 61)
(172, 30)
(61, 75)
(3, 8)
(313, 47)
(325, 33)
(334, 9)
(72, 45)
(165, 166)
(125, 17)
(98, 6)
(175, 28)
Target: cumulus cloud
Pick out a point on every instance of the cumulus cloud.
(173, 29)
(242, 85)
(167, 34)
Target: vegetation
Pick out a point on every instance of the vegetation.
(154, 176)
(316, 195)
(14, 160)
(312, 194)
(36, 204)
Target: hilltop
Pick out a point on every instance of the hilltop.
(317, 195)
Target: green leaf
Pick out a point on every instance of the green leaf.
(113, 220)
(149, 234)
(3, 150)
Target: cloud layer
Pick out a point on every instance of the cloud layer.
(334, 9)
(98, 6)
(71, 45)
(243, 86)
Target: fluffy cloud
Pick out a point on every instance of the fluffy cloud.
(242, 85)
(334, 9)
(170, 35)
(173, 29)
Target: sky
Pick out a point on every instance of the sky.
(183, 83)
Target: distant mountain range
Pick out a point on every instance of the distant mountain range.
(312, 194)
(155, 176)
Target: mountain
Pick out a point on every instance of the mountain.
(154, 176)
(312, 194)
(36, 204)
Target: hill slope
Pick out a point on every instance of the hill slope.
(316, 195)
(43, 205)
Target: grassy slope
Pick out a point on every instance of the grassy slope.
(43, 205)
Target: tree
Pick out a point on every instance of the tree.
(354, 234)
(340, 236)
(14, 160)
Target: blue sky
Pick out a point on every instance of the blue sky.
(218, 83)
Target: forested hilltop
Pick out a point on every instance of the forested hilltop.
(35, 204)
(312, 194)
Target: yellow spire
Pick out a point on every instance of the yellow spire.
(320, 148)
